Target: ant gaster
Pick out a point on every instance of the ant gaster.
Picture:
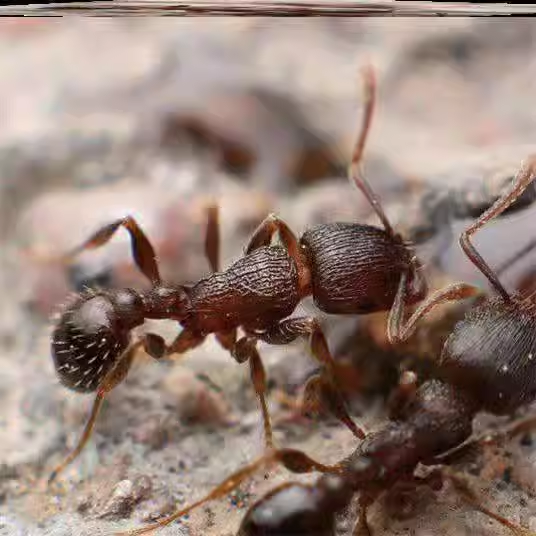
(488, 363)
(348, 268)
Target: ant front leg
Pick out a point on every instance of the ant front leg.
(400, 328)
(114, 377)
(320, 387)
(521, 182)
(142, 249)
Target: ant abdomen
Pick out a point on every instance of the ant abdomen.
(93, 331)
(356, 268)
(492, 354)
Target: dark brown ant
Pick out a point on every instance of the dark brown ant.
(348, 268)
(488, 363)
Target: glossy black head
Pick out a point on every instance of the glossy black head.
(92, 333)
(294, 509)
(290, 509)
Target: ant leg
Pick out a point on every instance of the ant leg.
(521, 426)
(362, 527)
(463, 488)
(294, 460)
(402, 395)
(114, 377)
(354, 173)
(522, 180)
(212, 237)
(399, 328)
(264, 233)
(156, 347)
(516, 257)
(227, 340)
(263, 237)
(319, 387)
(142, 250)
(245, 350)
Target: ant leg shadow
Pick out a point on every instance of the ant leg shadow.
(322, 387)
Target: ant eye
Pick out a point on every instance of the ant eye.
(87, 341)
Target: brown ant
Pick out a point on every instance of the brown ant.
(348, 268)
(488, 363)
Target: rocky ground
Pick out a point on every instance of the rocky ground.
(153, 117)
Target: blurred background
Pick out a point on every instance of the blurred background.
(152, 118)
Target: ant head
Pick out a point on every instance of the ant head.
(289, 509)
(92, 332)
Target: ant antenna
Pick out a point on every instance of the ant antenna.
(354, 172)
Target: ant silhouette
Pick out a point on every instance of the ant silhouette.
(348, 268)
(488, 363)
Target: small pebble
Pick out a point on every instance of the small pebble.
(125, 496)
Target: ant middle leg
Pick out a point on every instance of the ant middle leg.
(212, 237)
(321, 387)
(521, 182)
(245, 349)
(263, 235)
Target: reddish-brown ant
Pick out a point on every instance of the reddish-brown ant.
(488, 364)
(348, 268)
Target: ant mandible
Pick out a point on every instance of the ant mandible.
(348, 268)
(488, 363)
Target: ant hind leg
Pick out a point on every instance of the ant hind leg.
(322, 387)
(294, 460)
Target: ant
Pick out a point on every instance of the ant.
(348, 268)
(488, 363)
